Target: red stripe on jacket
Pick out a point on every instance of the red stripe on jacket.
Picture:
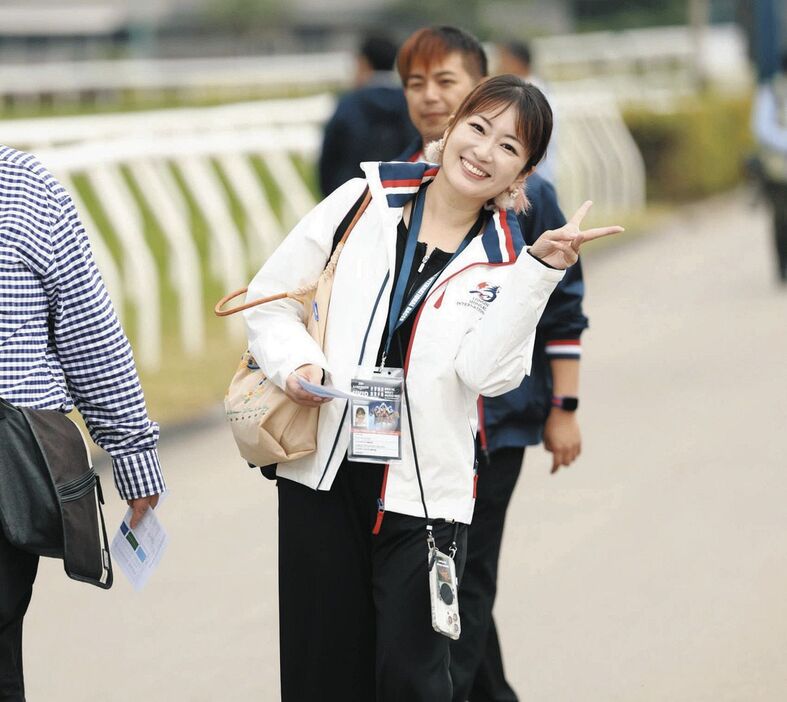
(509, 238)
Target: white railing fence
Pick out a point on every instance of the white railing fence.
(597, 157)
(644, 65)
(648, 66)
(101, 81)
(130, 162)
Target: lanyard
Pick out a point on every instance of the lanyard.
(397, 316)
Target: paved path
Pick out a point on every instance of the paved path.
(654, 570)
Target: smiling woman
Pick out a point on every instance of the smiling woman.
(499, 134)
(435, 301)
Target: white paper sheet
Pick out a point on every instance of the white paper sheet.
(327, 391)
(138, 552)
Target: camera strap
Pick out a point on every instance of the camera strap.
(430, 542)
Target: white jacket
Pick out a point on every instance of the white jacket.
(472, 336)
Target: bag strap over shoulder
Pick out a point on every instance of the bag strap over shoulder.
(342, 232)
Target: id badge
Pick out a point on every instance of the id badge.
(376, 415)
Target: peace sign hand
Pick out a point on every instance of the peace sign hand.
(559, 248)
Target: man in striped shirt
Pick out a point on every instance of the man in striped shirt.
(61, 345)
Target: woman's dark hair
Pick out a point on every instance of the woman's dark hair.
(534, 115)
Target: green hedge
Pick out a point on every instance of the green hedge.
(696, 150)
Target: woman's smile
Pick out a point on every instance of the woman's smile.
(474, 170)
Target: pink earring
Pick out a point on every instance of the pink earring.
(513, 199)
(433, 151)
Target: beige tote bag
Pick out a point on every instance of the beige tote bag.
(268, 426)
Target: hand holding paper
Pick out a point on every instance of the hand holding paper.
(326, 391)
(138, 550)
(294, 389)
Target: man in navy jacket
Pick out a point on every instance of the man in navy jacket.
(370, 123)
(439, 66)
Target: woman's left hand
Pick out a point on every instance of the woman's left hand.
(297, 394)
(559, 248)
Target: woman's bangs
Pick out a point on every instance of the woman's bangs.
(497, 104)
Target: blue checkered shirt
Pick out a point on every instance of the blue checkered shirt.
(60, 342)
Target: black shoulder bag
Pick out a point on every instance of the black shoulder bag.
(50, 496)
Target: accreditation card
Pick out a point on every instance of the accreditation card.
(376, 415)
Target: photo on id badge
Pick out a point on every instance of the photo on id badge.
(375, 430)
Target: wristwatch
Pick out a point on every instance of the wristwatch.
(569, 404)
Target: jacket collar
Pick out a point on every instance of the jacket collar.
(394, 184)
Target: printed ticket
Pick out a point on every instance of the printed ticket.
(138, 551)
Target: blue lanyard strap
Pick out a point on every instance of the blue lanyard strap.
(396, 315)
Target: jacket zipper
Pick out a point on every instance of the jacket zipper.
(360, 360)
(424, 261)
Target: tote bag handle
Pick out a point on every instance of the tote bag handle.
(295, 294)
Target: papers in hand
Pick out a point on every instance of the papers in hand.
(327, 391)
(138, 551)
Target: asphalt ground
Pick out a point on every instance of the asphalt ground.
(654, 569)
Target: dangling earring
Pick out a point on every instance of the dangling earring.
(433, 151)
(507, 199)
(514, 198)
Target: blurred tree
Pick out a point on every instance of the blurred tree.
(628, 14)
(412, 14)
(245, 17)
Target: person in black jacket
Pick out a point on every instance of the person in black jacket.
(370, 122)
(770, 130)
(439, 66)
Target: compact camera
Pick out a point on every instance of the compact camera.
(443, 590)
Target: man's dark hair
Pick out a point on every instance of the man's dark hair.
(431, 44)
(379, 51)
(520, 51)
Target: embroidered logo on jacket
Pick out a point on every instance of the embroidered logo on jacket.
(480, 297)
(486, 292)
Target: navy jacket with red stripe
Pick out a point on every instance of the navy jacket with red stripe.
(517, 418)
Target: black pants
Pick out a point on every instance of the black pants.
(354, 613)
(476, 663)
(17, 573)
(777, 194)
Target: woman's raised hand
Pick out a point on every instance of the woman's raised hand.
(560, 247)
